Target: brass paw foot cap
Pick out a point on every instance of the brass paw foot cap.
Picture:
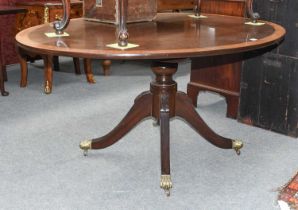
(47, 90)
(166, 183)
(237, 145)
(86, 145)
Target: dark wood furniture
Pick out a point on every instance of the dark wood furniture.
(269, 90)
(41, 12)
(200, 76)
(107, 11)
(157, 42)
(218, 74)
(4, 10)
(228, 7)
(171, 5)
(8, 32)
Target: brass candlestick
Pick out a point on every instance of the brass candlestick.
(60, 25)
(123, 34)
(197, 8)
(254, 16)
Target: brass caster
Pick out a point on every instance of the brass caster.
(85, 146)
(237, 145)
(166, 183)
(47, 88)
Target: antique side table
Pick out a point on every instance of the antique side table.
(40, 12)
(165, 41)
(5, 10)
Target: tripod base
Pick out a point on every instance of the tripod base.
(162, 102)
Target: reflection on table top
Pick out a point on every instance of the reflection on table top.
(171, 35)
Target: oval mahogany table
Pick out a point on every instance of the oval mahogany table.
(164, 41)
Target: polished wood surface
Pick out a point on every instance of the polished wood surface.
(108, 10)
(165, 41)
(224, 7)
(40, 12)
(214, 35)
(163, 5)
(220, 74)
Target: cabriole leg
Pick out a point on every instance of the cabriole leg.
(48, 73)
(186, 110)
(140, 110)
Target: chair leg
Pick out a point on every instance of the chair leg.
(2, 88)
(106, 66)
(4, 73)
(55, 61)
(88, 70)
(232, 106)
(23, 58)
(24, 71)
(76, 62)
(48, 74)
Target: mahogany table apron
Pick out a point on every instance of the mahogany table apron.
(169, 38)
(5, 10)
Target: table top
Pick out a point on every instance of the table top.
(171, 35)
(5, 10)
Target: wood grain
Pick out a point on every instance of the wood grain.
(214, 35)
